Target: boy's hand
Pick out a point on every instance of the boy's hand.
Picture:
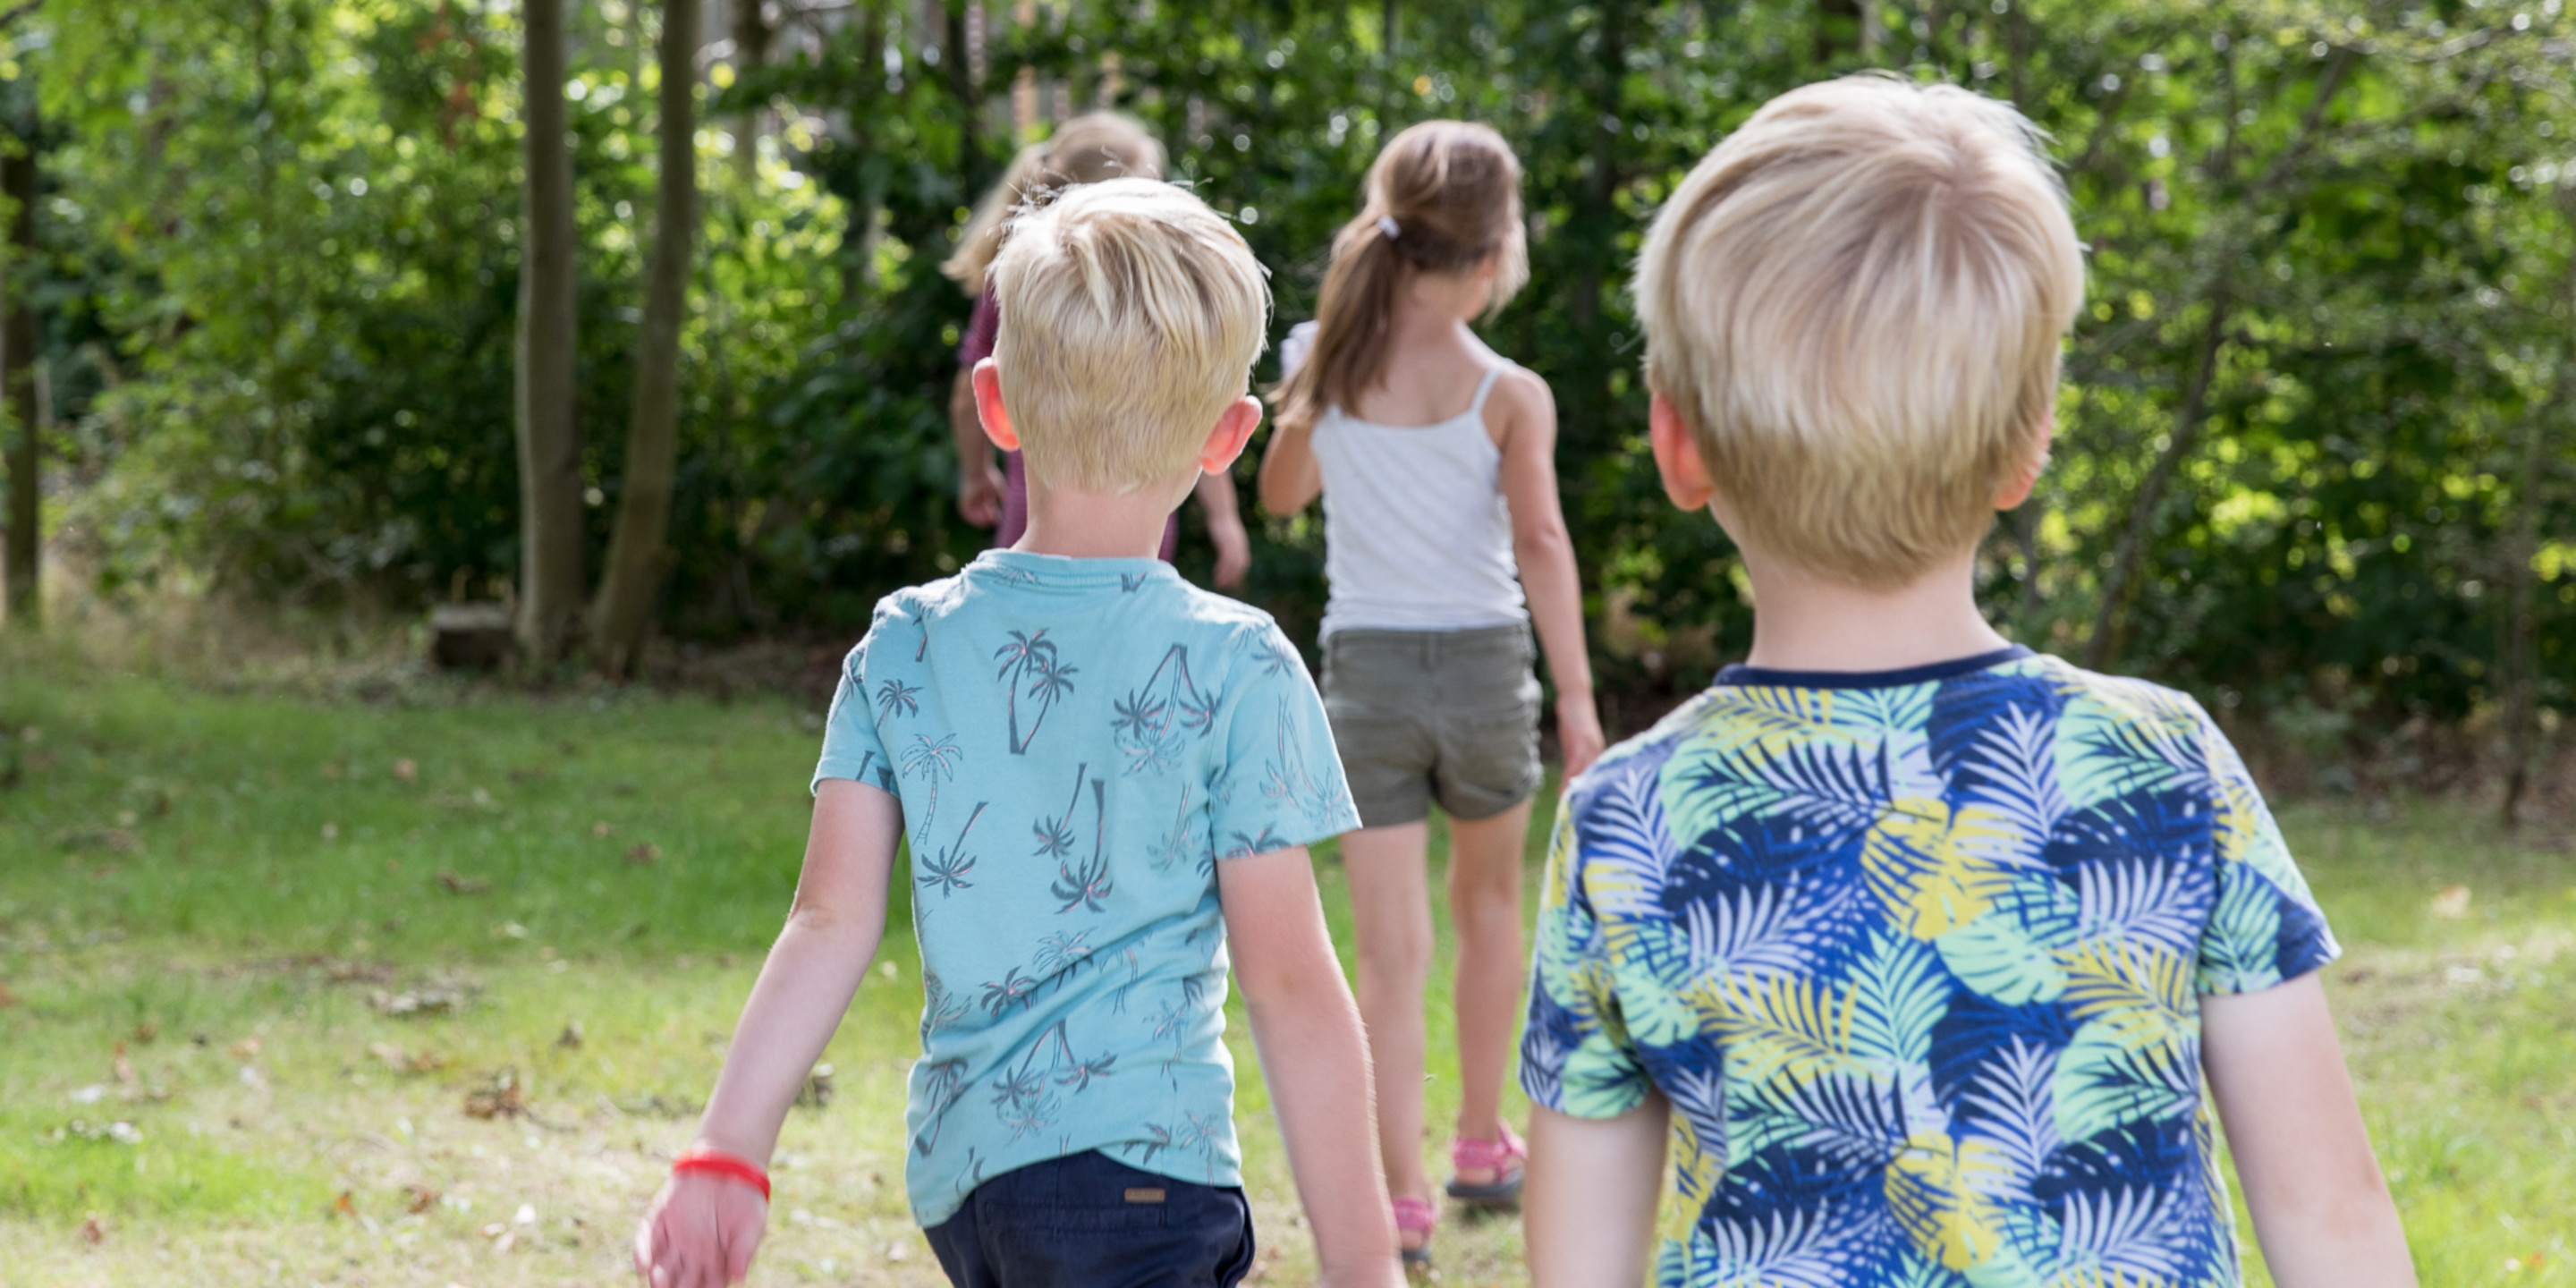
(700, 1233)
(1578, 733)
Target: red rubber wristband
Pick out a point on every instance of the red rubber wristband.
(725, 1165)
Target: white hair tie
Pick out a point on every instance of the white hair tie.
(1386, 224)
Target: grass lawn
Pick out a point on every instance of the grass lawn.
(427, 994)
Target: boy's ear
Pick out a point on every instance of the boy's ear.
(2017, 485)
(988, 406)
(1233, 430)
(1677, 456)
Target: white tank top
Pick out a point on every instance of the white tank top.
(1416, 534)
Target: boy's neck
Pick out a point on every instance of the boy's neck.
(1802, 622)
(1099, 525)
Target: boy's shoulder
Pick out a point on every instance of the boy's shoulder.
(1749, 722)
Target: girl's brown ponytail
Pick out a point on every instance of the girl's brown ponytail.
(1443, 197)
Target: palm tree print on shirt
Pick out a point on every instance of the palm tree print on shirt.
(1154, 722)
(1084, 885)
(1026, 1095)
(1055, 831)
(1031, 656)
(1286, 778)
(946, 870)
(895, 695)
(934, 763)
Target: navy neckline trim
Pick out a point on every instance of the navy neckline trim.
(1740, 674)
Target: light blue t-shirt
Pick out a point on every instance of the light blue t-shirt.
(1076, 743)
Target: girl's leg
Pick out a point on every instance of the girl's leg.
(1485, 910)
(1391, 910)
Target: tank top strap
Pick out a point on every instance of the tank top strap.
(1485, 387)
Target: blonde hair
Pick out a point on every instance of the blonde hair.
(1131, 314)
(1443, 197)
(1085, 149)
(1855, 302)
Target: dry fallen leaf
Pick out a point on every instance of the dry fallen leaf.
(406, 770)
(601, 828)
(464, 885)
(2453, 902)
(345, 1205)
(644, 853)
(246, 1048)
(502, 1099)
(94, 1230)
(7, 998)
(330, 831)
(418, 1198)
(124, 1067)
(146, 1031)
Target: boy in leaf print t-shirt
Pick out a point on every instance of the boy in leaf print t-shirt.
(1106, 780)
(1902, 955)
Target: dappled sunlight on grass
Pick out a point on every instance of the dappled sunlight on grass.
(322, 936)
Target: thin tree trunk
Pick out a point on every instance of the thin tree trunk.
(2142, 510)
(2519, 654)
(19, 345)
(550, 518)
(958, 62)
(632, 580)
(751, 36)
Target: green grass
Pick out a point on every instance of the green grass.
(184, 872)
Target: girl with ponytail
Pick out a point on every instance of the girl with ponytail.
(1443, 547)
(1085, 149)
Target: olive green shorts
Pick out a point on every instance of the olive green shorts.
(1420, 716)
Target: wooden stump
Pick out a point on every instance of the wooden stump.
(476, 636)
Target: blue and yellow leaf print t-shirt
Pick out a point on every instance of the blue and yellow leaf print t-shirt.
(1916, 958)
(1077, 744)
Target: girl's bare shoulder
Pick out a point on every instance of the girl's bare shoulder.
(1520, 400)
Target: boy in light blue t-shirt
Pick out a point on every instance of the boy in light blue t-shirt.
(1107, 779)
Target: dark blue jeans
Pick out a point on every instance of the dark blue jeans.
(1090, 1221)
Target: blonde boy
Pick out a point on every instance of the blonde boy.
(1911, 948)
(1108, 779)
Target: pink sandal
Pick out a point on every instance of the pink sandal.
(1415, 1216)
(1504, 1158)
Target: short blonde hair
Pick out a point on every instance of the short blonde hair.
(1855, 301)
(1131, 314)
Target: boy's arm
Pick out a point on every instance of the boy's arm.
(702, 1229)
(1315, 1058)
(2321, 1209)
(1546, 557)
(1589, 1215)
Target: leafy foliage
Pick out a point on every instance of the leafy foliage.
(2321, 379)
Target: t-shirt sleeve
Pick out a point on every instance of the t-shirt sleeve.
(852, 748)
(1576, 1055)
(1280, 781)
(2266, 927)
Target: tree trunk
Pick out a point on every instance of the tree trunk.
(2518, 654)
(959, 63)
(550, 518)
(751, 36)
(2142, 510)
(632, 580)
(19, 353)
